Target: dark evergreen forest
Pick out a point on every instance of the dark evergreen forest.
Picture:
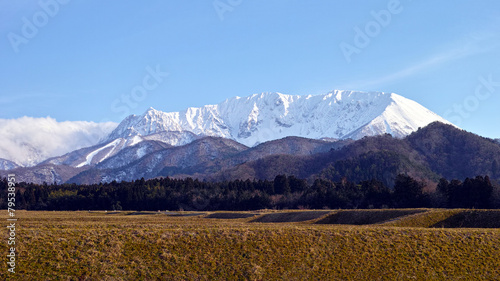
(284, 192)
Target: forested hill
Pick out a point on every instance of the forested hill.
(430, 153)
(454, 153)
(436, 151)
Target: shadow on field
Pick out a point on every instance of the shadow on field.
(229, 215)
(363, 217)
(168, 213)
(472, 219)
(291, 216)
(182, 214)
(423, 218)
(142, 213)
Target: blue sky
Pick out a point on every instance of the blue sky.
(101, 60)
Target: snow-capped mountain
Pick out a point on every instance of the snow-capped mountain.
(126, 149)
(250, 121)
(268, 116)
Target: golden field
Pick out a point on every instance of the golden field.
(416, 244)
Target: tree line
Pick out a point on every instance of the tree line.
(284, 192)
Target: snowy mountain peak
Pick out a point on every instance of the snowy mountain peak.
(267, 116)
(151, 112)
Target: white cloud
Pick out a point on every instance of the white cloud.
(28, 141)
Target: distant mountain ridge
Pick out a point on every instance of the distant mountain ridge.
(223, 136)
(437, 150)
(251, 120)
(7, 165)
(269, 116)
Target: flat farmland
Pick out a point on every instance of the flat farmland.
(420, 244)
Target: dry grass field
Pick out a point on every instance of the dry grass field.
(404, 245)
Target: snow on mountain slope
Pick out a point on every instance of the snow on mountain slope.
(125, 150)
(268, 116)
(28, 141)
(400, 118)
(131, 154)
(7, 165)
(112, 145)
(162, 161)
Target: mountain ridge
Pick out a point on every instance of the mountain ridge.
(262, 117)
(250, 120)
(437, 150)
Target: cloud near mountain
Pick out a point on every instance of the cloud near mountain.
(28, 141)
